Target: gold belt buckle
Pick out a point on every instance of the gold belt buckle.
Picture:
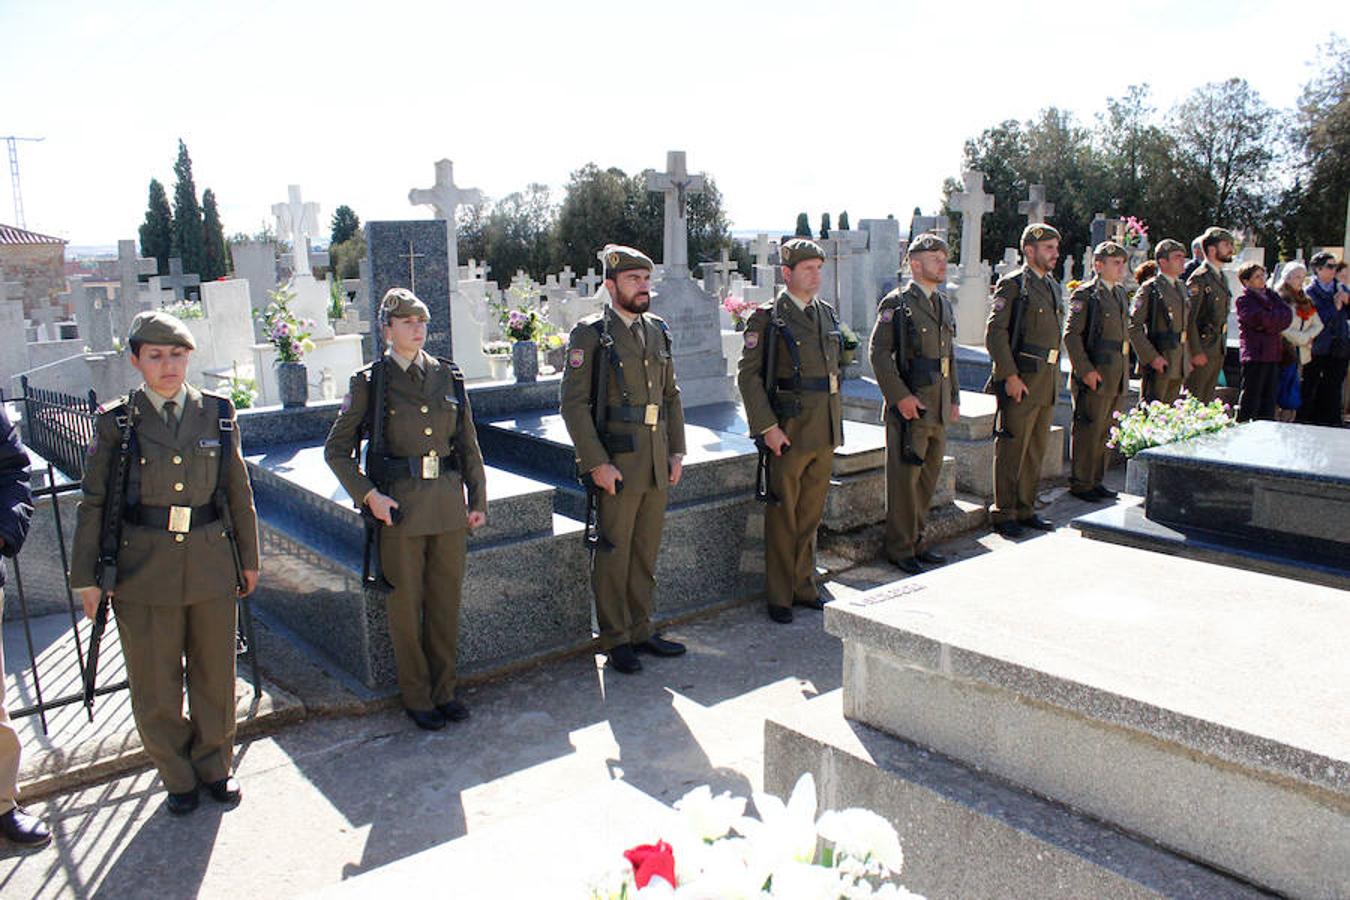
(834, 383)
(651, 414)
(1052, 356)
(431, 467)
(946, 367)
(180, 519)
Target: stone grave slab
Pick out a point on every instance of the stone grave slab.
(1203, 708)
(414, 255)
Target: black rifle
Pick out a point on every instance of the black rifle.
(372, 570)
(110, 540)
(594, 535)
(245, 643)
(1092, 330)
(769, 370)
(902, 324)
(999, 388)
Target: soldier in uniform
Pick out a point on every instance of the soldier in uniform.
(921, 395)
(636, 458)
(416, 490)
(797, 413)
(1158, 325)
(1097, 340)
(177, 585)
(1207, 318)
(1023, 336)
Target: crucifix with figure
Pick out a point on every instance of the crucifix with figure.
(296, 222)
(676, 184)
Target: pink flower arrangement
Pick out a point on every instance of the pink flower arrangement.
(1136, 232)
(739, 310)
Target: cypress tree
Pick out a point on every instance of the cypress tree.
(843, 221)
(824, 225)
(803, 226)
(215, 257)
(157, 230)
(189, 233)
(345, 224)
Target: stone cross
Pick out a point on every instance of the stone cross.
(130, 267)
(412, 259)
(477, 272)
(676, 184)
(567, 278)
(177, 281)
(591, 281)
(296, 221)
(92, 314)
(1034, 207)
(445, 198)
(973, 204)
(763, 249)
(1010, 261)
(724, 267)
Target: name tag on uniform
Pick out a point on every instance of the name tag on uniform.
(651, 414)
(431, 467)
(834, 384)
(180, 519)
(208, 443)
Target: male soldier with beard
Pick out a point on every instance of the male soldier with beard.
(631, 450)
(1207, 320)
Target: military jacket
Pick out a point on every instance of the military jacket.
(422, 420)
(1207, 318)
(156, 566)
(931, 338)
(643, 377)
(1106, 351)
(1159, 308)
(1038, 361)
(819, 419)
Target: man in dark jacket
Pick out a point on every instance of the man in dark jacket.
(1324, 375)
(16, 509)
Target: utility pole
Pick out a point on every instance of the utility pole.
(12, 141)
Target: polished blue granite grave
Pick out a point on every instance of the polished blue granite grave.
(1274, 494)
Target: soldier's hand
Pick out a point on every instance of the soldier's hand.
(1093, 380)
(676, 468)
(606, 476)
(1016, 388)
(956, 412)
(477, 519)
(89, 598)
(1199, 360)
(1158, 364)
(910, 407)
(250, 582)
(381, 505)
(777, 440)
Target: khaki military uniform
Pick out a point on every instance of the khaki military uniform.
(800, 477)
(930, 366)
(1207, 328)
(176, 592)
(435, 448)
(1024, 427)
(1105, 352)
(1158, 328)
(645, 428)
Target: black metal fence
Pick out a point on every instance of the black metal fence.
(58, 427)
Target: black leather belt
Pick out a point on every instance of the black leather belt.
(821, 385)
(418, 466)
(172, 518)
(1165, 340)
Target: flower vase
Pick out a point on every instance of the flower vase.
(525, 360)
(292, 383)
(554, 358)
(499, 365)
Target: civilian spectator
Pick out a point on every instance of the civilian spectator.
(1324, 375)
(1298, 338)
(1261, 317)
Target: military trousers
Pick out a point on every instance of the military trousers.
(161, 645)
(9, 739)
(800, 479)
(427, 572)
(910, 488)
(1163, 388)
(1018, 459)
(1092, 421)
(624, 579)
(1203, 381)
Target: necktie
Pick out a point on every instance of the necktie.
(415, 373)
(638, 334)
(811, 312)
(171, 416)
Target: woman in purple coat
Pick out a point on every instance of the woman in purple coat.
(1261, 317)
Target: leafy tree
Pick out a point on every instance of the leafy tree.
(215, 259)
(803, 226)
(1223, 133)
(843, 221)
(345, 224)
(157, 230)
(189, 235)
(1323, 159)
(346, 257)
(824, 225)
(518, 234)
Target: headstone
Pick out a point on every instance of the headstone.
(445, 197)
(224, 333)
(972, 295)
(256, 263)
(590, 282)
(1035, 208)
(92, 313)
(132, 296)
(13, 344)
(296, 222)
(676, 184)
(176, 282)
(920, 224)
(1011, 260)
(763, 250)
(408, 253)
(1101, 228)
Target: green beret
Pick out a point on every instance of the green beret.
(1108, 249)
(1039, 231)
(158, 327)
(928, 241)
(401, 303)
(799, 250)
(1166, 246)
(1214, 234)
(618, 258)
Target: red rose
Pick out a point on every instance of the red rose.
(652, 859)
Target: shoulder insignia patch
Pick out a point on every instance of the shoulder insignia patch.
(1076, 306)
(998, 304)
(93, 445)
(887, 314)
(751, 339)
(576, 358)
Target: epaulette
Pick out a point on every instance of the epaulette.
(215, 394)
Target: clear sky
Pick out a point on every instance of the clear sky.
(848, 104)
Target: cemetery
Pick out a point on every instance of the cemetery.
(1034, 719)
